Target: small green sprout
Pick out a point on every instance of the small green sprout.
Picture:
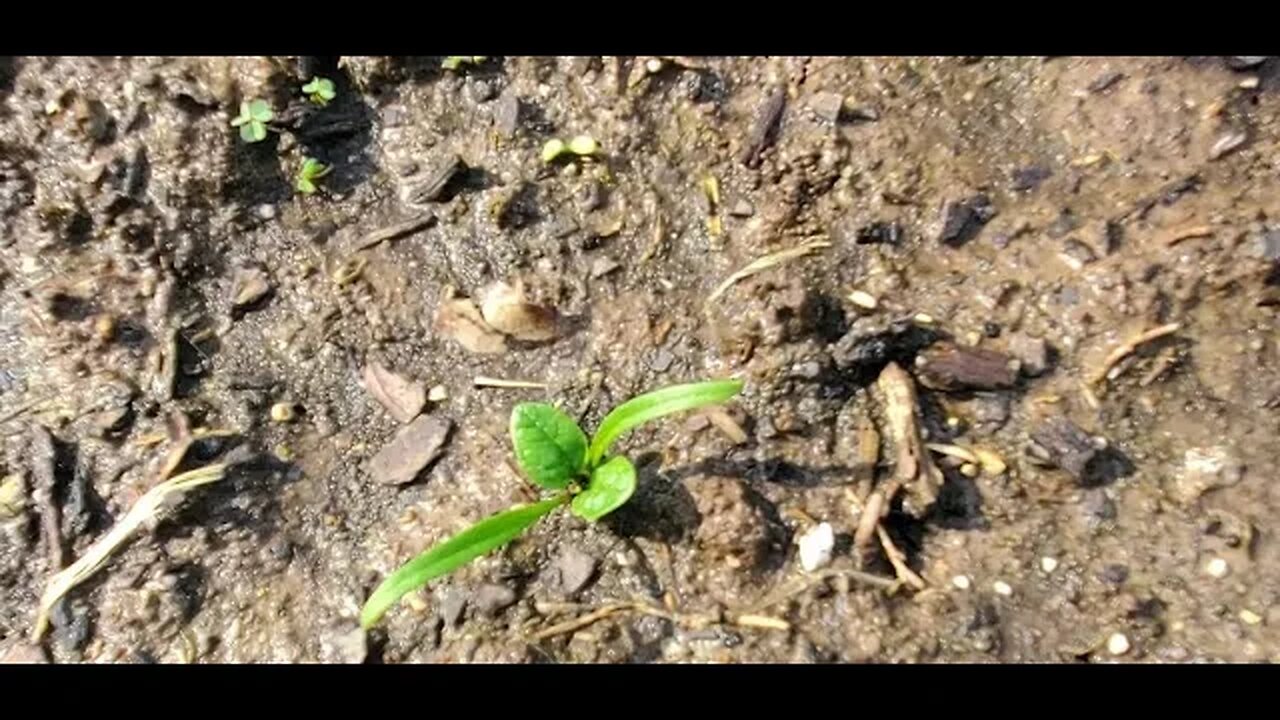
(555, 454)
(454, 62)
(311, 170)
(320, 91)
(254, 116)
(582, 146)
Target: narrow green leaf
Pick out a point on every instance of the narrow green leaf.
(479, 539)
(550, 447)
(612, 485)
(650, 406)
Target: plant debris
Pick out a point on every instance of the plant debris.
(401, 397)
(414, 447)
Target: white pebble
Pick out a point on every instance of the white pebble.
(863, 299)
(816, 546)
(1048, 564)
(1217, 567)
(1249, 617)
(961, 582)
(1117, 644)
(1002, 588)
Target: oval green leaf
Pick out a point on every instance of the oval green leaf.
(612, 485)
(479, 539)
(550, 447)
(651, 406)
(260, 110)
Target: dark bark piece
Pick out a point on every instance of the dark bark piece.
(763, 131)
(431, 186)
(952, 367)
(863, 352)
(415, 447)
(1067, 446)
(961, 220)
(890, 233)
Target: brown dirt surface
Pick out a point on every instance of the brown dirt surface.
(1011, 226)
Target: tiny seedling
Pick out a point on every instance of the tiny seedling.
(320, 91)
(254, 116)
(554, 453)
(581, 146)
(311, 170)
(454, 62)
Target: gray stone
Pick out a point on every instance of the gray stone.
(576, 568)
(491, 599)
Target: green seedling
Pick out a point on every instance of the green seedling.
(581, 146)
(320, 91)
(453, 62)
(555, 454)
(254, 116)
(311, 170)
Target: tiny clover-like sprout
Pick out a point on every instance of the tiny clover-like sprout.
(253, 119)
(320, 91)
(486, 535)
(311, 170)
(554, 148)
(612, 485)
(550, 447)
(453, 62)
(583, 145)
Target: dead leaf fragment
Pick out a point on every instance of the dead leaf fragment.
(460, 320)
(403, 398)
(506, 307)
(412, 449)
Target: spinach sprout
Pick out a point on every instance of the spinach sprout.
(454, 62)
(555, 454)
(311, 170)
(581, 146)
(253, 119)
(320, 91)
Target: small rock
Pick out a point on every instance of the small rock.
(662, 360)
(1105, 81)
(576, 568)
(1249, 617)
(589, 196)
(1031, 352)
(284, 412)
(602, 266)
(13, 497)
(1245, 62)
(1029, 178)
(1118, 644)
(1114, 574)
(412, 449)
(406, 167)
(21, 653)
(430, 185)
(961, 582)
(266, 211)
(1227, 143)
(1076, 254)
(1097, 506)
(1217, 568)
(889, 233)
(816, 547)
(452, 605)
(345, 648)
(491, 599)
(827, 105)
(1002, 588)
(481, 90)
(506, 114)
(248, 287)
(1205, 469)
(1048, 564)
(742, 208)
(961, 220)
(1267, 245)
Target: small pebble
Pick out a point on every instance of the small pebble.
(961, 582)
(863, 299)
(1117, 644)
(1249, 617)
(653, 65)
(1217, 567)
(283, 412)
(816, 546)
(1002, 588)
(1048, 564)
(438, 393)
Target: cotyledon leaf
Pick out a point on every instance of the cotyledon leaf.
(611, 486)
(550, 447)
(477, 540)
(650, 406)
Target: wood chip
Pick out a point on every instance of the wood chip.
(412, 449)
(915, 471)
(401, 397)
(950, 367)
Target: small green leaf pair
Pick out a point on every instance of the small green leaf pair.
(311, 170)
(555, 454)
(453, 62)
(320, 91)
(253, 119)
(581, 146)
